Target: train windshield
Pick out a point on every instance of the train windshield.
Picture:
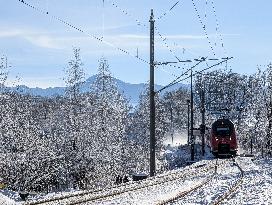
(223, 131)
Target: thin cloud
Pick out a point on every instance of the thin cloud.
(43, 41)
(176, 37)
(12, 33)
(54, 40)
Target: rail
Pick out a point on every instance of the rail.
(89, 196)
(233, 188)
(218, 200)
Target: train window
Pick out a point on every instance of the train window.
(223, 130)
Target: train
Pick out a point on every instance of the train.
(223, 141)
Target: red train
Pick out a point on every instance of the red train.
(223, 139)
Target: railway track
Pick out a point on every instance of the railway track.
(91, 196)
(218, 200)
(233, 188)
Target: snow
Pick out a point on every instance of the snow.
(256, 187)
(8, 197)
(179, 138)
(4, 200)
(227, 176)
(257, 184)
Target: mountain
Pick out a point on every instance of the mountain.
(131, 91)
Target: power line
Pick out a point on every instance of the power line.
(166, 45)
(203, 26)
(166, 71)
(100, 39)
(168, 11)
(225, 60)
(164, 39)
(196, 72)
(205, 14)
(217, 28)
(103, 20)
(139, 23)
(175, 81)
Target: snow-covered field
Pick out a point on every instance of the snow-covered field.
(256, 187)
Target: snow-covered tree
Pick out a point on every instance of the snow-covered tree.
(107, 121)
(255, 121)
(139, 133)
(4, 66)
(268, 87)
(175, 103)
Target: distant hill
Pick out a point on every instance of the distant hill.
(131, 91)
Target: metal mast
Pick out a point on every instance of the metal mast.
(192, 120)
(152, 99)
(203, 126)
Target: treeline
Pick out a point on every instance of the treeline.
(80, 140)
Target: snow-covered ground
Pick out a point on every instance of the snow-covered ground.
(257, 184)
(256, 187)
(8, 197)
(4, 200)
(178, 138)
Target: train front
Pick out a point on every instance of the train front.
(223, 138)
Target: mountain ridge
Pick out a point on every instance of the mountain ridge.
(131, 91)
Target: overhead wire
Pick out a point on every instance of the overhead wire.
(166, 45)
(164, 39)
(103, 20)
(139, 23)
(217, 28)
(167, 12)
(196, 72)
(205, 14)
(219, 63)
(82, 31)
(100, 39)
(175, 81)
(203, 27)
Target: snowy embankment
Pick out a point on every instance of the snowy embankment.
(4, 200)
(256, 187)
(220, 183)
(155, 193)
(257, 184)
(248, 192)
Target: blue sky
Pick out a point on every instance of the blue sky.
(39, 47)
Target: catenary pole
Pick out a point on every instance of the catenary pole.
(188, 121)
(203, 127)
(192, 120)
(152, 98)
